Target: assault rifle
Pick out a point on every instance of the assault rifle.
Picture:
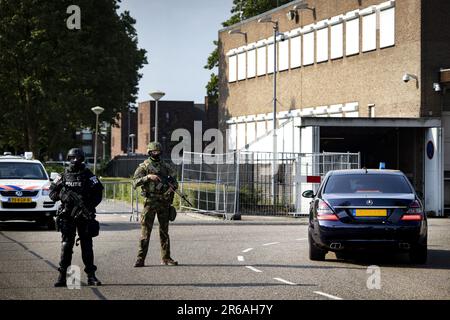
(75, 201)
(169, 181)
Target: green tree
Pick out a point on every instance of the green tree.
(51, 76)
(241, 10)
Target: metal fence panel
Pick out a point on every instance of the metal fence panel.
(256, 183)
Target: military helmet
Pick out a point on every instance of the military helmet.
(76, 153)
(154, 146)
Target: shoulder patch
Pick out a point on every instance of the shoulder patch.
(94, 179)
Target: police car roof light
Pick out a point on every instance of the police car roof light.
(28, 155)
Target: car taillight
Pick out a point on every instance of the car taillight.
(324, 212)
(414, 212)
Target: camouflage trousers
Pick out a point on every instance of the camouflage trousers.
(147, 220)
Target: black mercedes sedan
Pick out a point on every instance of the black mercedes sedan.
(363, 209)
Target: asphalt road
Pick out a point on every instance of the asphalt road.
(251, 259)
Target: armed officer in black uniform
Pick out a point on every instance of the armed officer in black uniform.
(80, 192)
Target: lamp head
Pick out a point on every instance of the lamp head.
(157, 95)
(97, 110)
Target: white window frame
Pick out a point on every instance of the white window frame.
(369, 29)
(283, 55)
(296, 51)
(261, 56)
(308, 54)
(270, 62)
(336, 37)
(352, 25)
(387, 25)
(251, 62)
(242, 65)
(322, 42)
(232, 68)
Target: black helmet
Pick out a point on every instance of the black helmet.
(75, 153)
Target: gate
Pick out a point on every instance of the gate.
(256, 183)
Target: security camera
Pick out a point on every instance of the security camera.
(406, 77)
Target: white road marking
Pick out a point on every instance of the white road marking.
(270, 243)
(253, 269)
(327, 295)
(285, 281)
(300, 239)
(240, 258)
(247, 250)
(124, 216)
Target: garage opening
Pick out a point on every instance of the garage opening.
(398, 148)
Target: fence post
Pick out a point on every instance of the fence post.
(182, 179)
(198, 182)
(236, 184)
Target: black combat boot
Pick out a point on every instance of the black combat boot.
(92, 280)
(169, 262)
(62, 281)
(139, 263)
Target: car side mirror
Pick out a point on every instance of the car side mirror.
(308, 194)
(53, 176)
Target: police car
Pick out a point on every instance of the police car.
(24, 190)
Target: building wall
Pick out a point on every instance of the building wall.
(172, 115)
(369, 78)
(120, 133)
(435, 52)
(116, 136)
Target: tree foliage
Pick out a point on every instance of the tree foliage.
(51, 76)
(241, 10)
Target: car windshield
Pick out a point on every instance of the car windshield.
(20, 170)
(367, 183)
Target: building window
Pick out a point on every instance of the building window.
(369, 32)
(261, 61)
(270, 57)
(308, 48)
(147, 140)
(283, 54)
(387, 27)
(232, 64)
(352, 36)
(140, 118)
(322, 43)
(251, 63)
(296, 49)
(337, 40)
(86, 136)
(113, 142)
(242, 65)
(167, 116)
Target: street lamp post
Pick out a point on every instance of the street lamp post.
(132, 142)
(130, 111)
(157, 95)
(274, 133)
(97, 110)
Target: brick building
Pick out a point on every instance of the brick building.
(367, 76)
(172, 115)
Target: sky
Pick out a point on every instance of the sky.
(178, 36)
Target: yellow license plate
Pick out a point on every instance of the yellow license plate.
(20, 200)
(371, 213)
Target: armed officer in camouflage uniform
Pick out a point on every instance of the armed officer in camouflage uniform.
(150, 177)
(80, 192)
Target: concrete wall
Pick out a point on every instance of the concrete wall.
(369, 78)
